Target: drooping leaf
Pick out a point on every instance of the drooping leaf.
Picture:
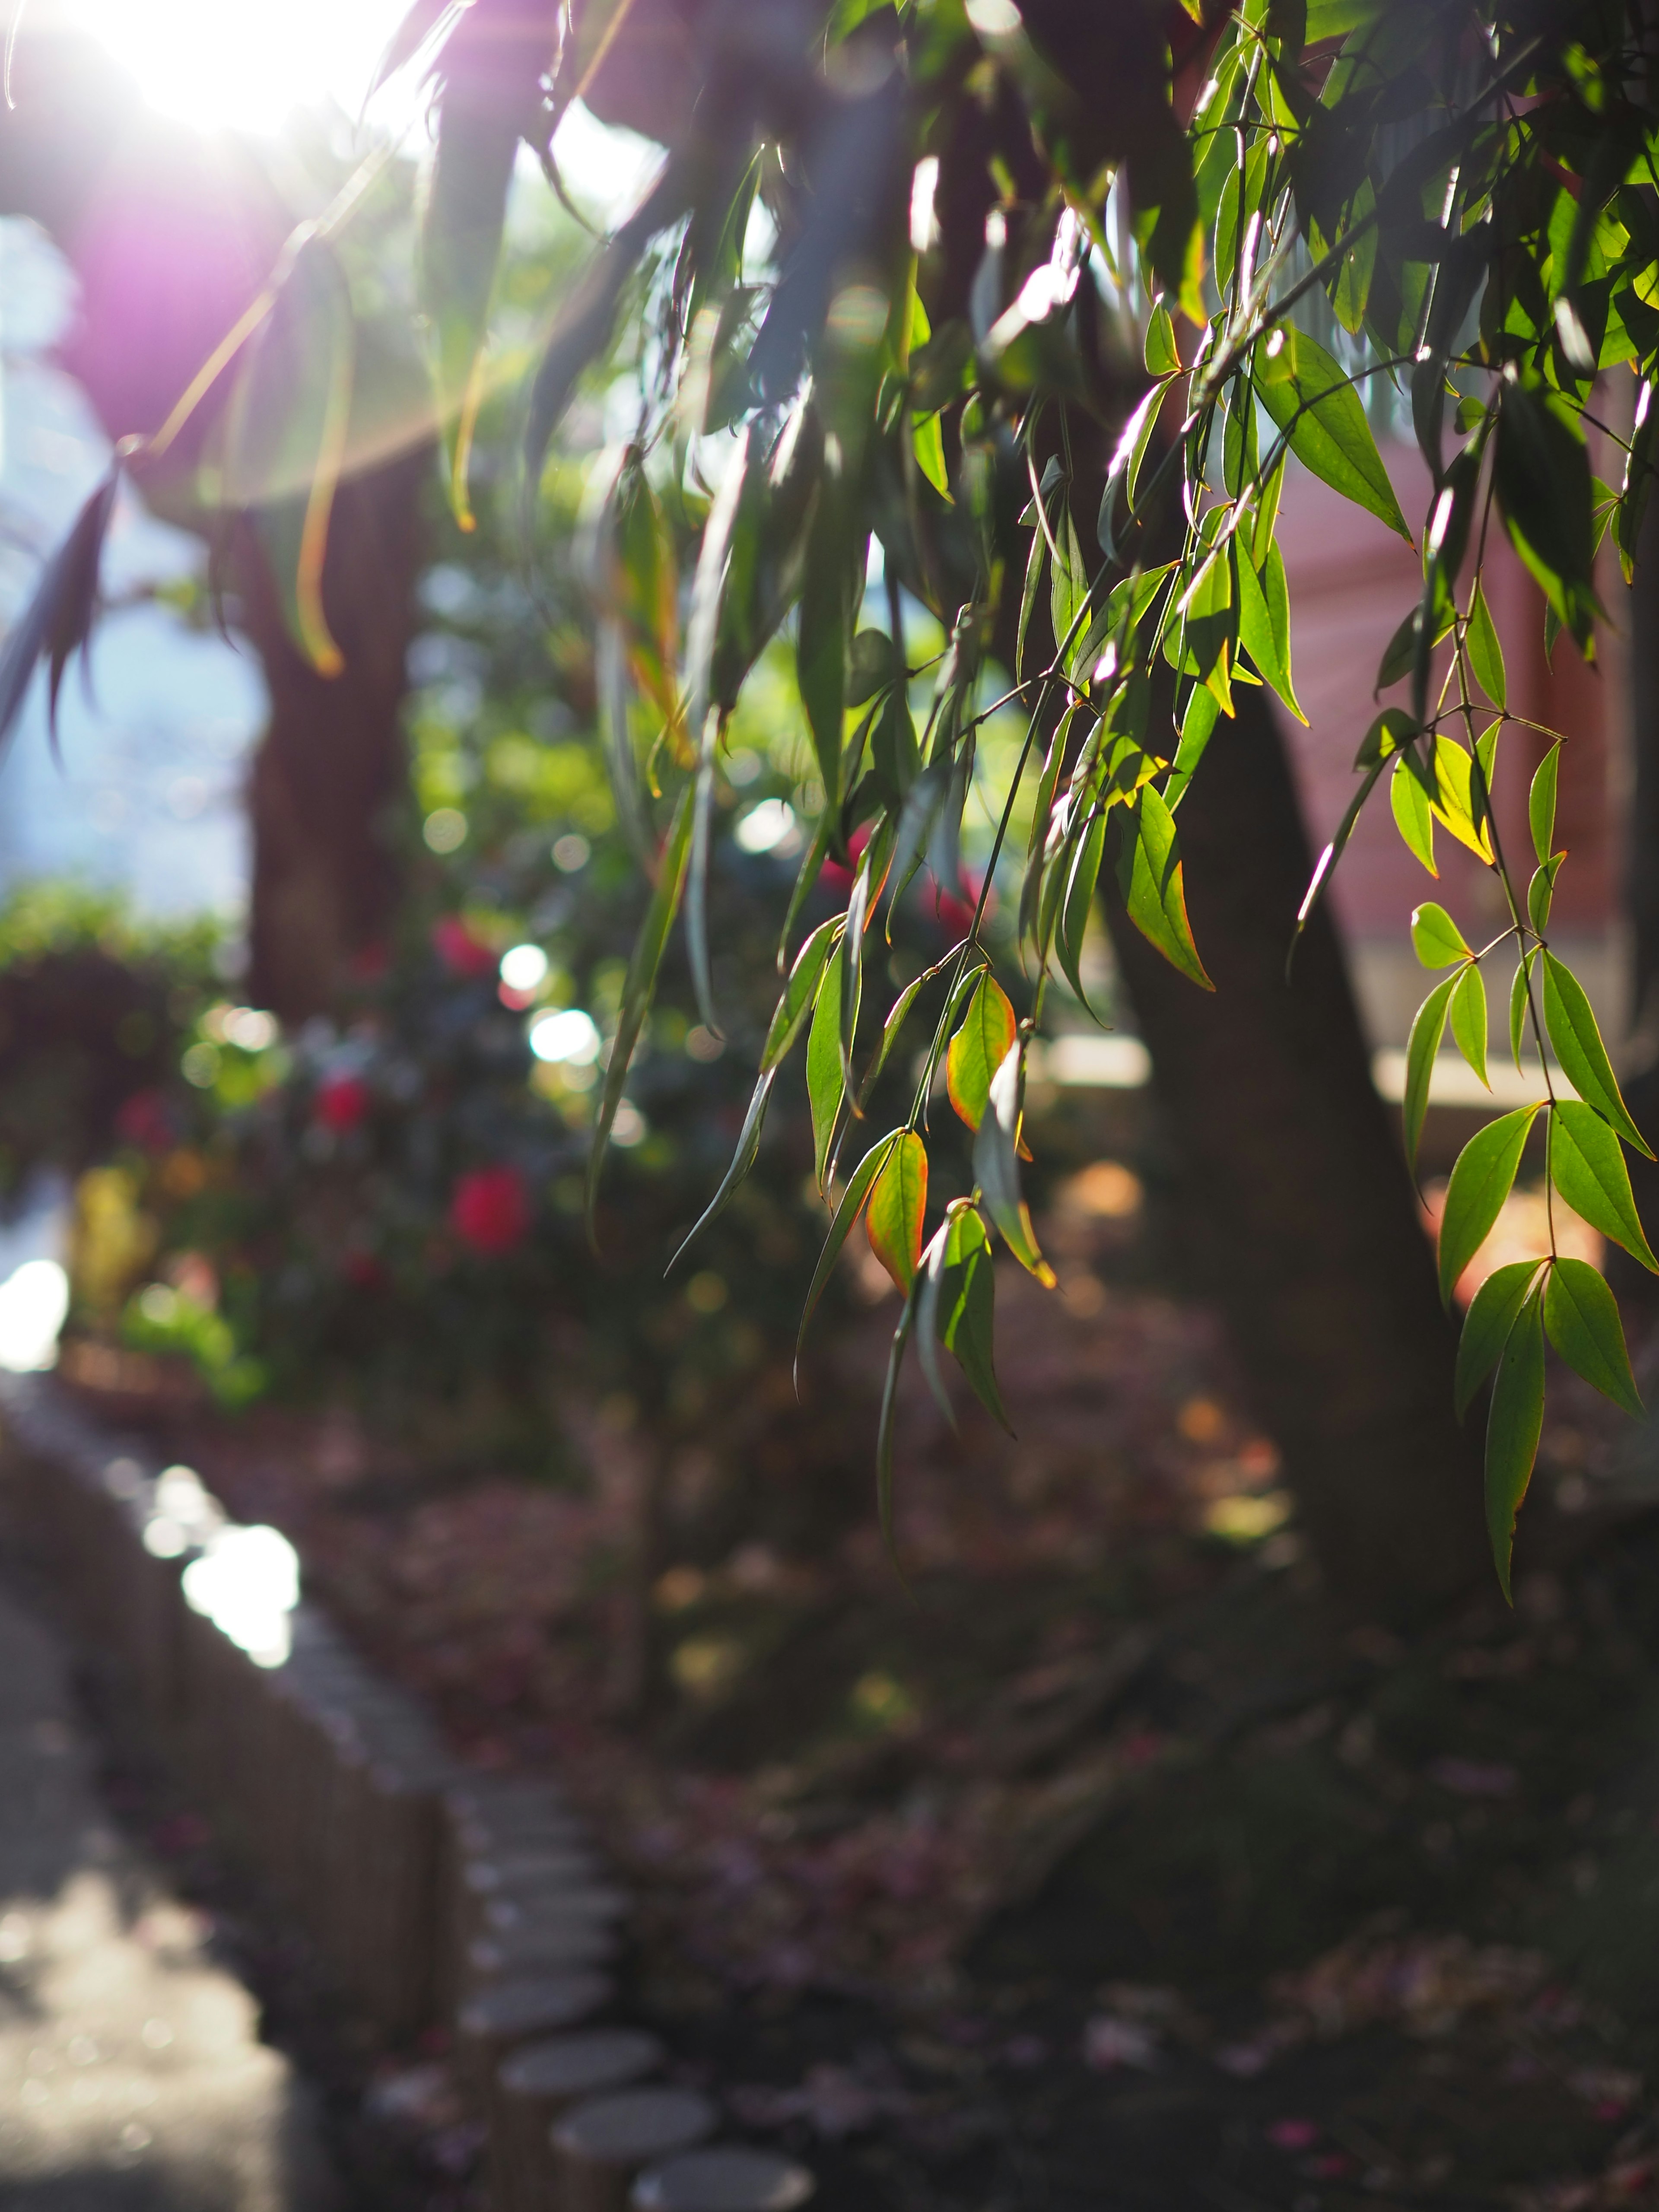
(1163, 355)
(1080, 901)
(1577, 1040)
(928, 443)
(897, 1015)
(1264, 623)
(979, 1048)
(898, 1201)
(852, 1205)
(1323, 418)
(1486, 654)
(1581, 1317)
(800, 993)
(1588, 1168)
(58, 620)
(1469, 1019)
(743, 1159)
(1513, 1428)
(957, 1309)
(824, 1088)
(889, 1416)
(1481, 1180)
(1541, 892)
(1542, 478)
(1410, 802)
(461, 232)
(1487, 1324)
(996, 1166)
(1436, 938)
(1428, 1027)
(640, 983)
(1519, 1003)
(1457, 798)
(826, 632)
(421, 27)
(1540, 804)
(1150, 880)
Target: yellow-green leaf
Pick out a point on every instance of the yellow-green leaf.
(1577, 1040)
(824, 1087)
(928, 443)
(1469, 1019)
(1487, 1324)
(1486, 654)
(1163, 355)
(979, 1048)
(898, 1201)
(1151, 882)
(852, 1205)
(798, 992)
(1410, 802)
(1428, 1027)
(1314, 402)
(1436, 938)
(996, 1166)
(1541, 803)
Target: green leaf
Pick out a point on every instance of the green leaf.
(1037, 562)
(1163, 355)
(1540, 804)
(1513, 1427)
(852, 1205)
(1264, 624)
(798, 994)
(896, 1020)
(1486, 654)
(1469, 1019)
(1588, 1168)
(1412, 818)
(1582, 1316)
(460, 245)
(1480, 1182)
(1570, 1022)
(743, 1159)
(1323, 418)
(1542, 478)
(824, 1088)
(1455, 801)
(1487, 1324)
(889, 1416)
(1068, 582)
(979, 1048)
(996, 1166)
(1436, 938)
(1149, 877)
(1197, 728)
(642, 982)
(1428, 1026)
(957, 1309)
(1519, 1003)
(1080, 903)
(898, 1200)
(873, 665)
(824, 634)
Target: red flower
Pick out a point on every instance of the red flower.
(461, 952)
(956, 911)
(145, 1121)
(343, 1104)
(833, 876)
(362, 1270)
(491, 1209)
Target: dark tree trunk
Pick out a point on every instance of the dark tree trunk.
(1307, 1217)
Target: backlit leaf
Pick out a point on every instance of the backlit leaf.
(967, 1306)
(1540, 804)
(996, 1166)
(852, 1205)
(465, 216)
(1150, 880)
(1486, 654)
(1582, 1316)
(1577, 1041)
(979, 1048)
(1323, 418)
(898, 1200)
(1513, 1427)
(743, 1159)
(1436, 938)
(1480, 1182)
(1163, 355)
(1469, 1019)
(824, 1089)
(798, 992)
(1519, 1003)
(1264, 629)
(1588, 1168)
(1487, 1324)
(1412, 818)
(1428, 1027)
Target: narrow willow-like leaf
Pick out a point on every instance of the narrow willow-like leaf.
(743, 1159)
(860, 912)
(927, 1311)
(1519, 1001)
(461, 237)
(1197, 728)
(1412, 818)
(1513, 1428)
(1581, 1317)
(1163, 355)
(1151, 878)
(897, 1015)
(58, 620)
(1325, 865)
(889, 1416)
(642, 982)
(1480, 1182)
(979, 1048)
(1264, 630)
(1314, 402)
(799, 993)
(852, 1205)
(1436, 938)
(898, 1201)
(1428, 1027)
(825, 633)
(959, 1306)
(928, 443)
(1469, 1019)
(1588, 1168)
(824, 1089)
(1541, 892)
(1486, 654)
(1487, 1324)
(996, 1167)
(1541, 803)
(1080, 903)
(1577, 1040)
(806, 881)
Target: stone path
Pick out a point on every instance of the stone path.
(131, 2075)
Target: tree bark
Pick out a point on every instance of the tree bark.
(1307, 1219)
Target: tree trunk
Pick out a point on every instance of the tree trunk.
(1311, 1227)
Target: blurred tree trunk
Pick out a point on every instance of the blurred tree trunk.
(1308, 1224)
(171, 238)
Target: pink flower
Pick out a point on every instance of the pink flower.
(460, 952)
(343, 1104)
(490, 1209)
(833, 876)
(956, 908)
(144, 1120)
(362, 1270)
